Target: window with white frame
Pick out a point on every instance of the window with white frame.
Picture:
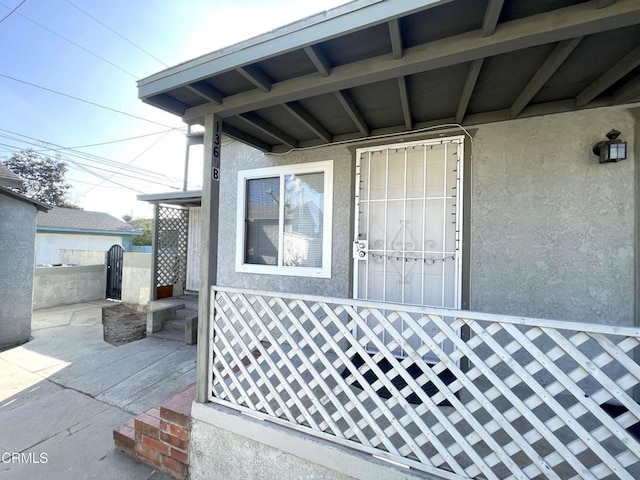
(284, 220)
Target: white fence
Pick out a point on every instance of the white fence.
(508, 397)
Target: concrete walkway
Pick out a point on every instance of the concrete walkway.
(63, 393)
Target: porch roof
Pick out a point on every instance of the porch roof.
(190, 198)
(376, 67)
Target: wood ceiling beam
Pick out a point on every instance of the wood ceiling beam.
(168, 102)
(244, 137)
(404, 101)
(266, 127)
(319, 60)
(627, 92)
(553, 62)
(206, 91)
(396, 38)
(603, 3)
(467, 90)
(491, 16)
(563, 24)
(353, 111)
(256, 76)
(630, 61)
(308, 121)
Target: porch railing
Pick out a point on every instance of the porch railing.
(508, 397)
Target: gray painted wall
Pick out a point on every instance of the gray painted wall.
(237, 157)
(136, 278)
(55, 286)
(552, 230)
(17, 247)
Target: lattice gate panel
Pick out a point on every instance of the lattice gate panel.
(535, 403)
(171, 245)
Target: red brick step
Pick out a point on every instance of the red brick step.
(160, 436)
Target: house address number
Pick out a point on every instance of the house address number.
(215, 171)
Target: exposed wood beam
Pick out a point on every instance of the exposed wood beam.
(244, 137)
(630, 61)
(307, 120)
(167, 102)
(352, 110)
(404, 100)
(206, 91)
(396, 38)
(319, 60)
(473, 120)
(467, 90)
(578, 20)
(491, 16)
(603, 3)
(554, 61)
(627, 92)
(256, 76)
(265, 127)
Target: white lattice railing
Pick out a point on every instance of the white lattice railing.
(534, 401)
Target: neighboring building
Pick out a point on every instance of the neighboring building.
(17, 246)
(75, 229)
(400, 167)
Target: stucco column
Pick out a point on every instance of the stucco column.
(209, 245)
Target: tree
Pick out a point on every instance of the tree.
(43, 176)
(146, 225)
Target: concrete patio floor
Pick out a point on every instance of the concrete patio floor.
(63, 393)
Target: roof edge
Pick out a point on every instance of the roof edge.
(42, 207)
(308, 31)
(42, 228)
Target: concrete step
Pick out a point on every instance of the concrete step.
(174, 335)
(177, 324)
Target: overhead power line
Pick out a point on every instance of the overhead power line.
(84, 101)
(116, 33)
(129, 162)
(110, 142)
(75, 44)
(31, 141)
(12, 11)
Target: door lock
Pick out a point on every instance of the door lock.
(360, 249)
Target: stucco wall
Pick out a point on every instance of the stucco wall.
(83, 257)
(552, 230)
(48, 244)
(17, 242)
(224, 444)
(237, 157)
(136, 278)
(55, 286)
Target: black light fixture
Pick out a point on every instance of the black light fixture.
(612, 150)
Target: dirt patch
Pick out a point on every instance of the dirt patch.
(121, 324)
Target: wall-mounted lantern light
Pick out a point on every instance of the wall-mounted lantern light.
(611, 150)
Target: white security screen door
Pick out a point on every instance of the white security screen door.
(408, 227)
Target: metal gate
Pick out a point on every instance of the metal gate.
(408, 226)
(114, 272)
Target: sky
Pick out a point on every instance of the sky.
(116, 147)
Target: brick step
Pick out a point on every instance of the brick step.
(160, 436)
